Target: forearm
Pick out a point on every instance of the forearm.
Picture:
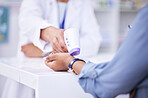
(77, 67)
(36, 54)
(130, 62)
(63, 1)
(46, 33)
(31, 51)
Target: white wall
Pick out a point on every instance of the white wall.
(108, 19)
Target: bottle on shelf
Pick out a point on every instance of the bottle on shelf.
(104, 4)
(131, 4)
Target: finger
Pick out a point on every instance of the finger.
(46, 62)
(55, 45)
(62, 37)
(64, 48)
(56, 48)
(62, 44)
(51, 57)
(30, 44)
(49, 64)
(61, 41)
(53, 52)
(22, 48)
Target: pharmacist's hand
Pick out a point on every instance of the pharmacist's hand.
(31, 51)
(56, 37)
(59, 61)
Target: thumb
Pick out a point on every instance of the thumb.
(51, 57)
(49, 64)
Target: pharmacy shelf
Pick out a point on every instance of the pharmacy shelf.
(104, 10)
(16, 4)
(121, 10)
(114, 20)
(129, 10)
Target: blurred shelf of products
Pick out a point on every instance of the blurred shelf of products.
(4, 21)
(131, 4)
(104, 5)
(114, 16)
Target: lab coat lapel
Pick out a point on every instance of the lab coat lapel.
(73, 12)
(53, 13)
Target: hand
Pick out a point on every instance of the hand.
(56, 37)
(31, 51)
(59, 61)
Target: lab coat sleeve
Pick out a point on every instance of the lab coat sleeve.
(89, 31)
(127, 70)
(31, 22)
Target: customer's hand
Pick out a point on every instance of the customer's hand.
(59, 61)
(56, 37)
(31, 51)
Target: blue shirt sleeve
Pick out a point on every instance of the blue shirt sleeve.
(128, 68)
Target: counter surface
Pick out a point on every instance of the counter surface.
(33, 73)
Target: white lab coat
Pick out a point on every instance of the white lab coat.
(39, 14)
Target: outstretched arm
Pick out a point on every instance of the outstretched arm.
(126, 71)
(31, 50)
(128, 68)
(37, 30)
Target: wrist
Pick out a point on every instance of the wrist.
(74, 61)
(46, 34)
(77, 66)
(69, 59)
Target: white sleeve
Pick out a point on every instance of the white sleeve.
(90, 37)
(31, 22)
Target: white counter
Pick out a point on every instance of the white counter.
(46, 83)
